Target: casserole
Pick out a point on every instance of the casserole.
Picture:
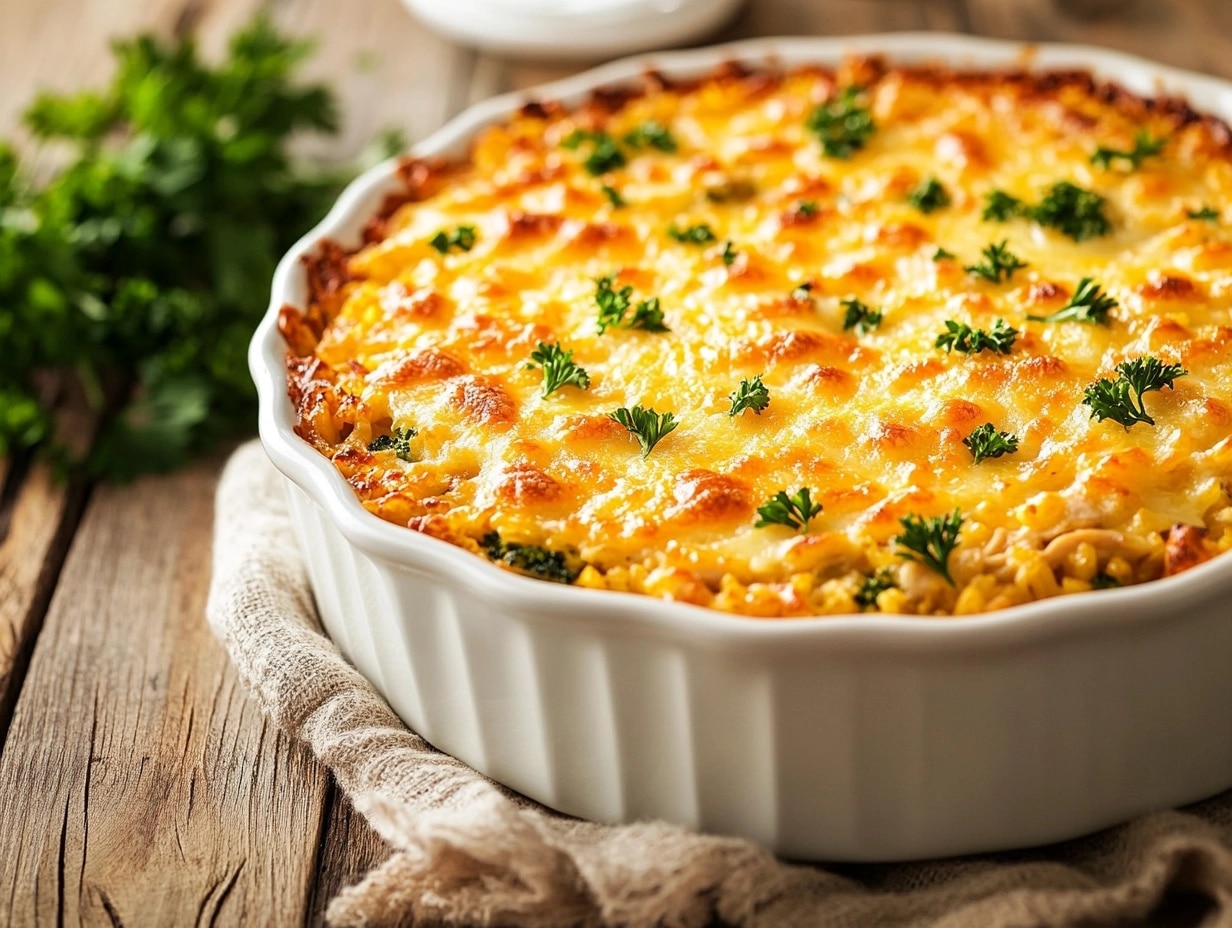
(860, 738)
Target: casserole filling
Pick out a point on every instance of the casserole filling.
(818, 342)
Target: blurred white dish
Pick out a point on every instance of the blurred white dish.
(573, 29)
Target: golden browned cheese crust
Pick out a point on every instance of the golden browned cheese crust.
(403, 334)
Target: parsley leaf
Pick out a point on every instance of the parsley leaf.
(959, 336)
(802, 291)
(843, 124)
(795, 511)
(942, 255)
(999, 206)
(805, 209)
(1088, 304)
(604, 154)
(1207, 212)
(1144, 147)
(648, 316)
(646, 425)
(700, 234)
(751, 394)
(613, 196)
(986, 442)
(930, 541)
(729, 254)
(651, 134)
(1072, 211)
(558, 368)
(143, 264)
(999, 263)
(873, 586)
(461, 238)
(1121, 399)
(930, 196)
(534, 560)
(614, 304)
(398, 441)
(860, 316)
(1066, 207)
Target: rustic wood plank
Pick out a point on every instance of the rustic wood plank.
(37, 517)
(1186, 33)
(38, 514)
(154, 792)
(349, 849)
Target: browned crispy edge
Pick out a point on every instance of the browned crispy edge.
(422, 177)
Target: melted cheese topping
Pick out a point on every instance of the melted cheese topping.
(873, 423)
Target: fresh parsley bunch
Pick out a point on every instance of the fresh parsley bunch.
(141, 268)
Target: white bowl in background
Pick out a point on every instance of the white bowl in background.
(856, 738)
(573, 30)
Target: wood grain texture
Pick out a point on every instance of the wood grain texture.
(349, 849)
(154, 791)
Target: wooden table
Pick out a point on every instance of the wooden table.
(139, 785)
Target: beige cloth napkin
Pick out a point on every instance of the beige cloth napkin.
(470, 852)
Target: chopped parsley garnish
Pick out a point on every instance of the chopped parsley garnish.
(529, 559)
(398, 441)
(1088, 304)
(700, 234)
(135, 266)
(461, 238)
(558, 368)
(959, 336)
(1144, 147)
(729, 254)
(873, 586)
(999, 206)
(803, 291)
(604, 154)
(930, 196)
(648, 316)
(942, 255)
(1103, 581)
(795, 511)
(1121, 399)
(860, 316)
(998, 264)
(806, 209)
(1072, 211)
(986, 442)
(651, 134)
(751, 394)
(646, 425)
(843, 124)
(1207, 213)
(614, 304)
(930, 541)
(613, 196)
(1066, 207)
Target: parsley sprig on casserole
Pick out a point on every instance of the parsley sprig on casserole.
(892, 339)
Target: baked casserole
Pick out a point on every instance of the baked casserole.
(819, 341)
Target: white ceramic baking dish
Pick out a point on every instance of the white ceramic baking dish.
(857, 738)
